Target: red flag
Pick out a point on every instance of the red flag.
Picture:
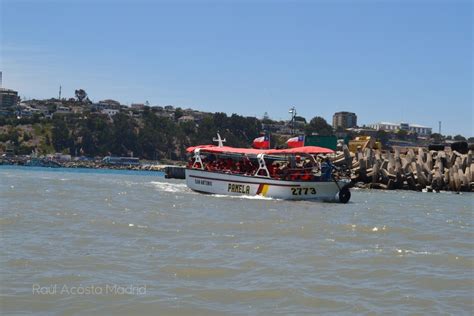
(294, 142)
(262, 142)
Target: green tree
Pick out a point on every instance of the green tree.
(188, 128)
(61, 135)
(124, 136)
(80, 94)
(402, 134)
(178, 112)
(459, 138)
(159, 137)
(24, 150)
(14, 137)
(436, 137)
(300, 119)
(383, 137)
(26, 137)
(320, 126)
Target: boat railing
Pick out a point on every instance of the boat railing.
(289, 174)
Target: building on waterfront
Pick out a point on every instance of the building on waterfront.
(385, 126)
(344, 120)
(8, 98)
(420, 129)
(394, 127)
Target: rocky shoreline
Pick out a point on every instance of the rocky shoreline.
(39, 162)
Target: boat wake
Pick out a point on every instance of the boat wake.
(170, 187)
(245, 197)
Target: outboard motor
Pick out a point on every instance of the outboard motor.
(327, 169)
(344, 194)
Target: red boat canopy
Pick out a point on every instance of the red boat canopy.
(309, 150)
(191, 149)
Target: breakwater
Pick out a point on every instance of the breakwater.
(413, 169)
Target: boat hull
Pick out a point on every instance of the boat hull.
(240, 185)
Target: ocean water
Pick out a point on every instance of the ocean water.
(97, 242)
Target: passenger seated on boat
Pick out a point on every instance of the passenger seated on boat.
(298, 162)
(229, 165)
(212, 165)
(306, 175)
(285, 172)
(248, 167)
(294, 175)
(308, 164)
(326, 169)
(291, 162)
(261, 172)
(216, 165)
(238, 167)
(220, 164)
(274, 170)
(209, 166)
(250, 171)
(316, 168)
(271, 169)
(278, 171)
(190, 162)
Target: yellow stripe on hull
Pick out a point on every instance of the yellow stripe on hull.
(265, 189)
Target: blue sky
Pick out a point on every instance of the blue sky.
(385, 60)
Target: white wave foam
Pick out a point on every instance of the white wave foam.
(413, 252)
(247, 197)
(169, 187)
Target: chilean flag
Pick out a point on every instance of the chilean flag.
(294, 142)
(262, 142)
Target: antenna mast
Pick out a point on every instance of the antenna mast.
(219, 140)
(292, 111)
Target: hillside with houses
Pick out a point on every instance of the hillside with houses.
(80, 127)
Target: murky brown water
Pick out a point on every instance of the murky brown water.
(94, 242)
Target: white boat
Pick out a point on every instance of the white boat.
(299, 183)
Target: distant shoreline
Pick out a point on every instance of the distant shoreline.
(22, 161)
